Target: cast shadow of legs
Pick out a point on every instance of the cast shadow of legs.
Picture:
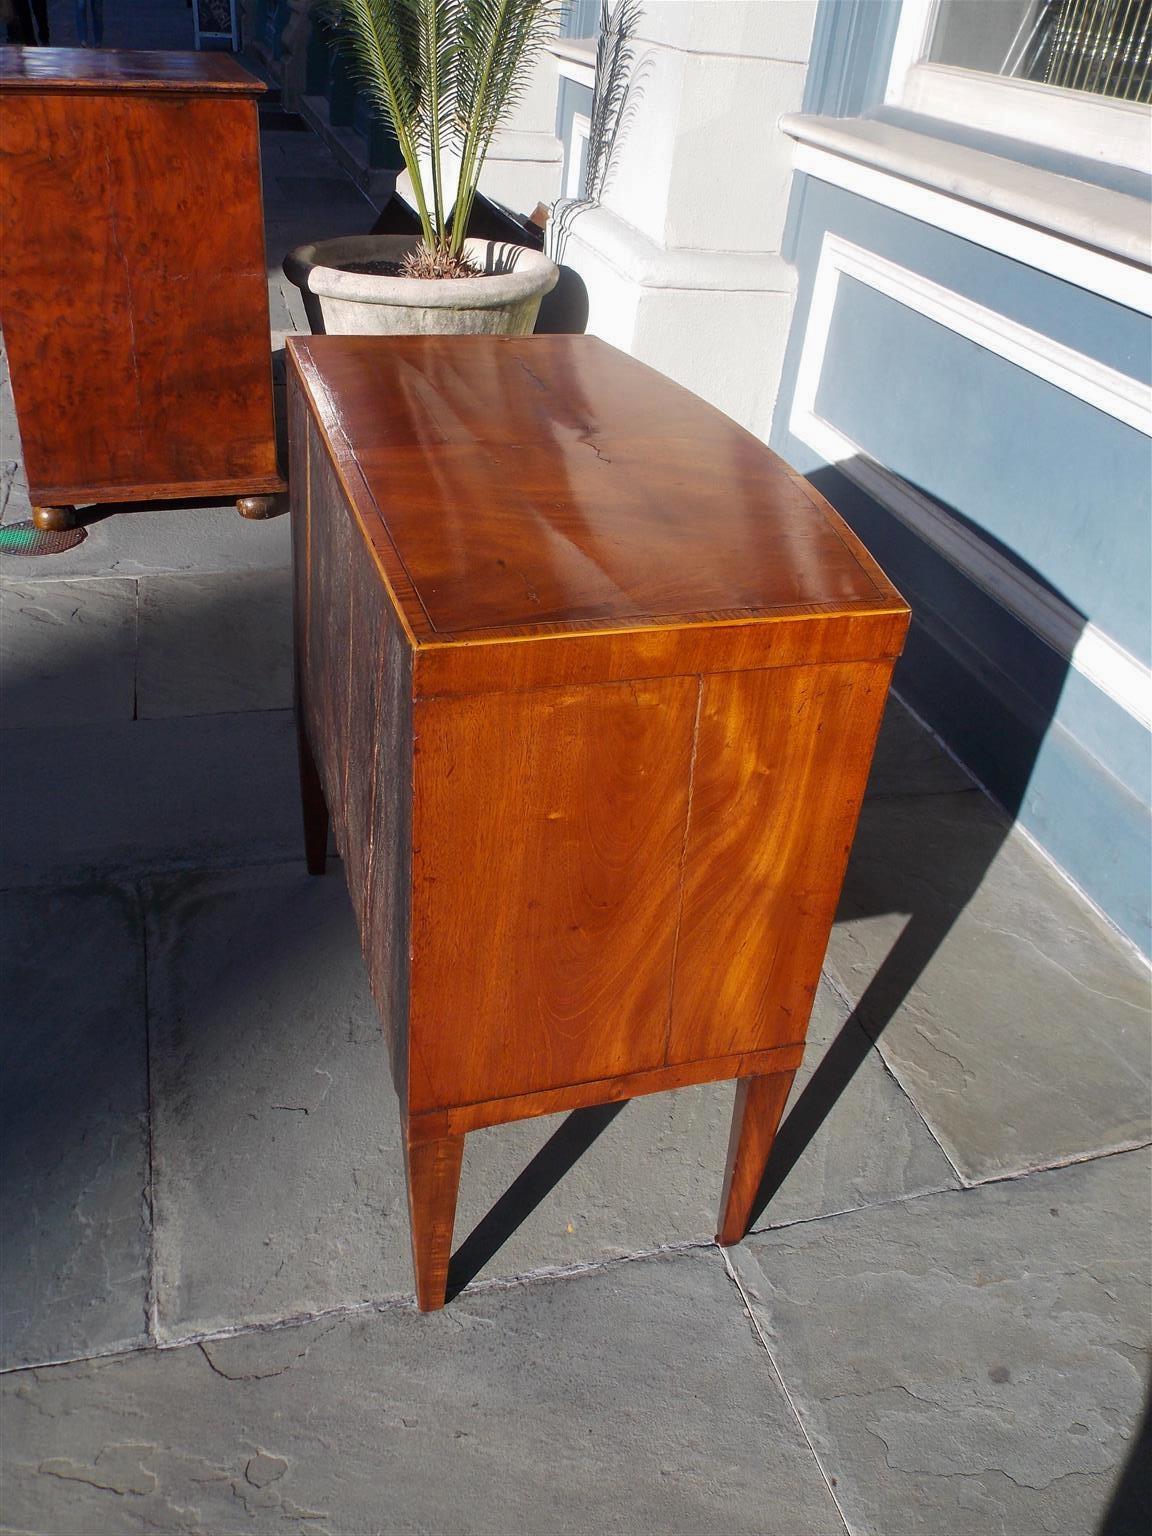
(1129, 1512)
(560, 1153)
(895, 979)
(929, 865)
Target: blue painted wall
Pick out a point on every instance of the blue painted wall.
(1057, 488)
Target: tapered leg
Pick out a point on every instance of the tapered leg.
(433, 1183)
(313, 804)
(756, 1116)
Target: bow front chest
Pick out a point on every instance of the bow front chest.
(589, 683)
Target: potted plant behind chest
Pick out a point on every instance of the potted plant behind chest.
(445, 74)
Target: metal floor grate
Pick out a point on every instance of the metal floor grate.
(26, 539)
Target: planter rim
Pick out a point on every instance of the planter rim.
(526, 274)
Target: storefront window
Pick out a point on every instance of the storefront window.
(1100, 46)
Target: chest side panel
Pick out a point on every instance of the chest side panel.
(548, 831)
(782, 759)
(134, 290)
(354, 698)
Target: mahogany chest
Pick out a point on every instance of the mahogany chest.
(133, 289)
(589, 683)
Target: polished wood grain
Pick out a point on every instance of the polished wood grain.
(354, 715)
(433, 1125)
(595, 853)
(133, 290)
(535, 814)
(781, 761)
(433, 1169)
(756, 1116)
(656, 506)
(148, 70)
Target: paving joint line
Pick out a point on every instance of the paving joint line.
(852, 1007)
(152, 1295)
(1075, 1160)
(758, 1332)
(406, 1302)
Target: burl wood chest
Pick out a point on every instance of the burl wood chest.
(589, 683)
(133, 289)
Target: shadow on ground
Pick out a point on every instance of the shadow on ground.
(912, 887)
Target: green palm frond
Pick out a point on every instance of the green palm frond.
(382, 39)
(439, 49)
(619, 20)
(499, 40)
(444, 74)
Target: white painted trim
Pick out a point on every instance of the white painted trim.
(577, 143)
(913, 30)
(580, 74)
(1101, 127)
(575, 60)
(1038, 847)
(1061, 256)
(1121, 676)
(1101, 218)
(1020, 828)
(1116, 394)
(640, 261)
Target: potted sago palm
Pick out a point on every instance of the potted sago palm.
(445, 74)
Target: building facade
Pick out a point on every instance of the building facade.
(967, 379)
(906, 242)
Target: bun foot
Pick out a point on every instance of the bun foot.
(258, 507)
(55, 519)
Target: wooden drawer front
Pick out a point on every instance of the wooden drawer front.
(548, 831)
(780, 766)
(134, 289)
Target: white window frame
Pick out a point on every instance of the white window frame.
(575, 59)
(1099, 127)
(578, 138)
(232, 37)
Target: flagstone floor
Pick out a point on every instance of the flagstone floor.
(937, 1325)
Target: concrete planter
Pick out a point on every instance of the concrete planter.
(502, 302)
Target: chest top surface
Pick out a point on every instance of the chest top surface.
(520, 485)
(114, 70)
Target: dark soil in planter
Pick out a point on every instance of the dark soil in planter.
(372, 268)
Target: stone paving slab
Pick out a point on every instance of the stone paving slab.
(279, 1174)
(856, 1142)
(909, 760)
(9, 430)
(215, 644)
(971, 1362)
(73, 1124)
(67, 652)
(147, 539)
(105, 801)
(1015, 1018)
(14, 503)
(279, 1185)
(633, 1399)
(281, 318)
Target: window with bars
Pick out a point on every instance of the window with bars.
(1103, 47)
